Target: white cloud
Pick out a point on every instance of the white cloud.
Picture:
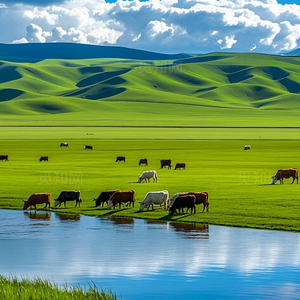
(229, 42)
(20, 41)
(35, 34)
(165, 26)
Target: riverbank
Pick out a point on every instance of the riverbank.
(29, 289)
(238, 181)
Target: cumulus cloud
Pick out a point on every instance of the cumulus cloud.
(32, 2)
(166, 26)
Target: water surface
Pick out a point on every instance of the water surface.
(141, 259)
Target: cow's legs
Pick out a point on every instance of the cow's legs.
(65, 203)
(293, 180)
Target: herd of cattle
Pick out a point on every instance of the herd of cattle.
(115, 198)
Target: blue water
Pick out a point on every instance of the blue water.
(140, 259)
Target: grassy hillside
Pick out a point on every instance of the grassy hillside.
(218, 89)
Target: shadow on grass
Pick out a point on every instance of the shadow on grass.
(173, 217)
(112, 211)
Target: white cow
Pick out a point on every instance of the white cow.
(171, 201)
(157, 198)
(147, 175)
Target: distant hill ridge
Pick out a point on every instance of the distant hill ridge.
(33, 52)
(132, 87)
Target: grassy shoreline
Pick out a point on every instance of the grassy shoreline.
(30, 289)
(238, 181)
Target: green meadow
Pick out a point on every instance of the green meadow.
(217, 89)
(238, 181)
(200, 110)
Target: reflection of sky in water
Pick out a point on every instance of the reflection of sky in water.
(150, 260)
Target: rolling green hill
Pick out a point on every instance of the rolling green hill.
(218, 89)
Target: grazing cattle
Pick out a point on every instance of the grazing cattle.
(180, 166)
(165, 162)
(157, 198)
(44, 158)
(120, 197)
(103, 198)
(64, 145)
(68, 196)
(120, 158)
(147, 175)
(143, 161)
(181, 202)
(201, 197)
(171, 201)
(4, 157)
(88, 147)
(38, 198)
(285, 173)
(247, 147)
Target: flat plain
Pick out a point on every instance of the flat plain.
(238, 181)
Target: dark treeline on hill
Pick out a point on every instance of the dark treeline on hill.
(34, 52)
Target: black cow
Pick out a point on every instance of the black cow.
(44, 158)
(247, 147)
(165, 162)
(143, 161)
(68, 196)
(4, 157)
(88, 147)
(103, 197)
(181, 202)
(64, 145)
(120, 158)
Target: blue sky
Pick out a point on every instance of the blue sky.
(168, 26)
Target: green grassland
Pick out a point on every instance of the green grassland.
(256, 95)
(238, 181)
(218, 89)
(140, 133)
(38, 289)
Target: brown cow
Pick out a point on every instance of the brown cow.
(165, 162)
(120, 197)
(44, 158)
(180, 166)
(120, 158)
(285, 173)
(143, 161)
(38, 198)
(201, 197)
(4, 157)
(88, 147)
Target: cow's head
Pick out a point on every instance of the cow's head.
(140, 179)
(172, 210)
(109, 204)
(57, 202)
(274, 179)
(26, 204)
(142, 206)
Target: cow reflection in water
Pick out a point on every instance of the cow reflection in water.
(191, 230)
(121, 221)
(43, 216)
(68, 217)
